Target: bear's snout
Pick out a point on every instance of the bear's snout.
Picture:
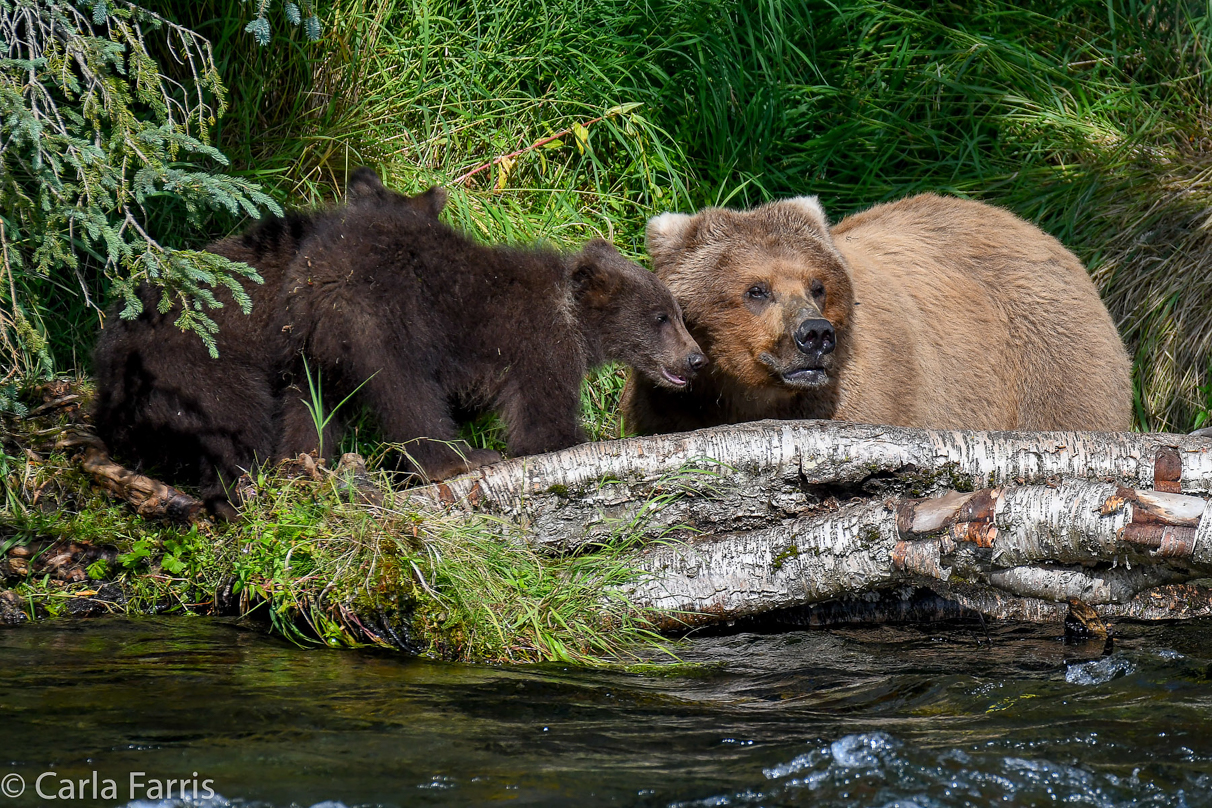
(815, 337)
(684, 370)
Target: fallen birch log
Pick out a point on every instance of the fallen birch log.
(1074, 541)
(748, 476)
(747, 519)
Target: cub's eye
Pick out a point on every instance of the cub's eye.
(818, 289)
(662, 319)
(759, 291)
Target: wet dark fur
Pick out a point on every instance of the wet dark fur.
(163, 401)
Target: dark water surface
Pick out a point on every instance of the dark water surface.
(885, 716)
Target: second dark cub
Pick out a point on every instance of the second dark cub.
(421, 321)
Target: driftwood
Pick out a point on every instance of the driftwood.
(149, 497)
(743, 520)
(775, 516)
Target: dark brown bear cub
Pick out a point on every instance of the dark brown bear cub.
(381, 292)
(163, 401)
(430, 322)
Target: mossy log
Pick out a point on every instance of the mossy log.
(742, 520)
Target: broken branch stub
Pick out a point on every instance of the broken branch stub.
(149, 497)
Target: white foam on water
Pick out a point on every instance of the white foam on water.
(864, 749)
(796, 764)
(1100, 671)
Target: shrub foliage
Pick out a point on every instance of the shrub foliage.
(95, 141)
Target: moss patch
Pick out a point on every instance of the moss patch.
(310, 558)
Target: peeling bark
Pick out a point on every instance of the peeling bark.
(741, 520)
(749, 476)
(1062, 542)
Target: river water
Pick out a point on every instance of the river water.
(889, 716)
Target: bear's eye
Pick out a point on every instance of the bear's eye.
(759, 291)
(662, 319)
(818, 289)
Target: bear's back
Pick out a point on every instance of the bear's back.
(463, 308)
(973, 292)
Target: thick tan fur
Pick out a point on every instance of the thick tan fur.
(949, 314)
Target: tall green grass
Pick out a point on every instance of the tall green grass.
(1087, 117)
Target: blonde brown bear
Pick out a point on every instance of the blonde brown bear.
(930, 312)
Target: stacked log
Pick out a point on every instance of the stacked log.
(742, 520)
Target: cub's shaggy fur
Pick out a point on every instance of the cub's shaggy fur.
(163, 401)
(430, 323)
(380, 292)
(930, 311)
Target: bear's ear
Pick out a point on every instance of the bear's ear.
(595, 276)
(432, 202)
(811, 207)
(665, 236)
(363, 183)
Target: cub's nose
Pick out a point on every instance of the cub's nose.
(696, 361)
(815, 337)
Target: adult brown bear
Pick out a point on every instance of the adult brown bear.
(931, 312)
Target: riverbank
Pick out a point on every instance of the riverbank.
(314, 556)
(585, 555)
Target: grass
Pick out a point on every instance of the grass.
(316, 563)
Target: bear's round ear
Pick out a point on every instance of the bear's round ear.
(595, 274)
(665, 236)
(809, 206)
(363, 183)
(432, 202)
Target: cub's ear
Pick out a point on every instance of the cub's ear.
(431, 203)
(809, 206)
(595, 277)
(363, 183)
(664, 237)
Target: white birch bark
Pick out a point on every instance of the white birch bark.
(747, 476)
(742, 520)
(1061, 542)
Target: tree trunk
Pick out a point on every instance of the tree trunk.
(742, 520)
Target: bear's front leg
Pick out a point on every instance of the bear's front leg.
(541, 409)
(414, 412)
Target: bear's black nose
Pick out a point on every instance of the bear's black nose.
(696, 361)
(815, 337)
